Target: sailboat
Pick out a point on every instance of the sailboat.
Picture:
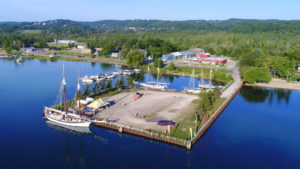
(65, 117)
(19, 60)
(192, 89)
(209, 86)
(154, 85)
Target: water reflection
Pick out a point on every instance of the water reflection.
(70, 129)
(261, 95)
(106, 66)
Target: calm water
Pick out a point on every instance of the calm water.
(260, 129)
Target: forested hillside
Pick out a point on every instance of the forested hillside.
(271, 46)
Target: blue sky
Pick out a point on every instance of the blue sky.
(92, 10)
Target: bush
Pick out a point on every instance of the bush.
(171, 66)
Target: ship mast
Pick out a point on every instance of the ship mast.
(193, 79)
(201, 77)
(78, 91)
(64, 84)
(157, 76)
(210, 77)
(148, 74)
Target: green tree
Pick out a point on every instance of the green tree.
(158, 63)
(108, 48)
(118, 84)
(8, 51)
(135, 58)
(103, 86)
(130, 81)
(109, 84)
(87, 91)
(96, 88)
(256, 74)
(171, 66)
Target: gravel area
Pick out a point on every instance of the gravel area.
(143, 113)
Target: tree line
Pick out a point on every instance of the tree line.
(267, 53)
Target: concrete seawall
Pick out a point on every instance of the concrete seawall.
(145, 134)
(216, 114)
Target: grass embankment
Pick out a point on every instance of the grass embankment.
(78, 59)
(182, 128)
(220, 75)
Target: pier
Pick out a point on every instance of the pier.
(186, 143)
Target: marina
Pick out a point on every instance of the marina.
(257, 114)
(128, 109)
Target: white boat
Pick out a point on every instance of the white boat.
(86, 80)
(154, 85)
(110, 76)
(116, 73)
(127, 72)
(66, 117)
(137, 70)
(206, 86)
(191, 88)
(19, 60)
(53, 56)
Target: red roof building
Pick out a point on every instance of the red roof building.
(204, 55)
(214, 60)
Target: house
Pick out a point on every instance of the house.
(97, 51)
(114, 54)
(213, 60)
(30, 50)
(35, 50)
(65, 41)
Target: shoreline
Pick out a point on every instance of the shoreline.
(74, 58)
(277, 84)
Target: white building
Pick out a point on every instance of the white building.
(114, 55)
(66, 41)
(82, 47)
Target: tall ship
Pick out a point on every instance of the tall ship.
(61, 114)
(209, 86)
(154, 85)
(192, 85)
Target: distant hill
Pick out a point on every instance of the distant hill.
(231, 25)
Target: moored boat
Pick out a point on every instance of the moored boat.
(65, 116)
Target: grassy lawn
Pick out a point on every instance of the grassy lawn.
(85, 59)
(182, 129)
(219, 75)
